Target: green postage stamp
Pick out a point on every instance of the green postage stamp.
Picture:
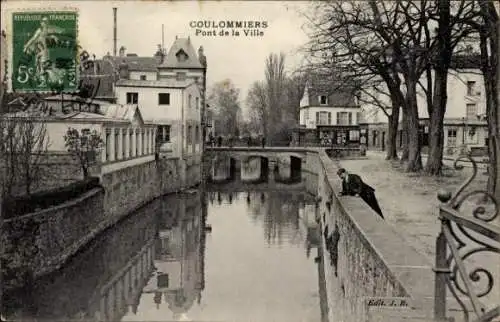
(45, 51)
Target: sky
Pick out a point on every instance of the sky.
(241, 59)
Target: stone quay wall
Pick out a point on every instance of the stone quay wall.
(371, 273)
(38, 243)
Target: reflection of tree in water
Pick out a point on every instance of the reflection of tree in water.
(279, 212)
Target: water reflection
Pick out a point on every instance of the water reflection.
(160, 265)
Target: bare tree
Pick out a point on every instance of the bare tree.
(275, 87)
(23, 146)
(395, 42)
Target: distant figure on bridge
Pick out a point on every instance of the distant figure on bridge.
(352, 185)
(219, 141)
(263, 141)
(249, 140)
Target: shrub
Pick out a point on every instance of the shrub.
(21, 205)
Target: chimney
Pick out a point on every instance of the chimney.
(114, 32)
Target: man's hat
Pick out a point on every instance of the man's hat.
(340, 171)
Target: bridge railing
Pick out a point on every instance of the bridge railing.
(462, 239)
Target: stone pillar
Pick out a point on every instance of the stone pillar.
(148, 140)
(120, 143)
(104, 149)
(127, 143)
(112, 145)
(139, 145)
(134, 141)
(152, 140)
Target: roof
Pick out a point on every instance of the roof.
(60, 116)
(136, 63)
(337, 97)
(179, 45)
(471, 61)
(166, 83)
(75, 98)
(122, 112)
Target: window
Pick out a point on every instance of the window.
(143, 77)
(317, 117)
(471, 88)
(350, 118)
(323, 100)
(132, 98)
(164, 99)
(197, 135)
(180, 76)
(358, 117)
(162, 280)
(189, 100)
(472, 137)
(471, 110)
(343, 118)
(452, 137)
(189, 135)
(324, 118)
(329, 118)
(354, 135)
(163, 134)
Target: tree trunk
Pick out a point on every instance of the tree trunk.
(392, 130)
(436, 137)
(435, 158)
(414, 158)
(404, 134)
(489, 43)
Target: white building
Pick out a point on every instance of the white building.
(465, 118)
(169, 91)
(329, 116)
(173, 106)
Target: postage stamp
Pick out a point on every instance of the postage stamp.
(45, 51)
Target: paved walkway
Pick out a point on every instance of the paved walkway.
(409, 202)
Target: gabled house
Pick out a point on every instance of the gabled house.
(328, 115)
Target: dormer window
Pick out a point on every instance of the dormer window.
(323, 100)
(181, 56)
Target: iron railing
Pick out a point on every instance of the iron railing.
(463, 237)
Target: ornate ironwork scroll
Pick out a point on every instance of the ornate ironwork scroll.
(462, 237)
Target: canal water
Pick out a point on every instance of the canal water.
(201, 255)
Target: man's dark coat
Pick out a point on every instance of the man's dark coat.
(355, 185)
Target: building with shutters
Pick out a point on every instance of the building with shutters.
(328, 116)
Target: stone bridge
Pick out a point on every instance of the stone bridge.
(258, 164)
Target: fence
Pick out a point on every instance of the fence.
(463, 238)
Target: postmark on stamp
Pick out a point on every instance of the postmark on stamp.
(45, 51)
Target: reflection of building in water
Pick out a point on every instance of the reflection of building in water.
(308, 215)
(123, 291)
(178, 280)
